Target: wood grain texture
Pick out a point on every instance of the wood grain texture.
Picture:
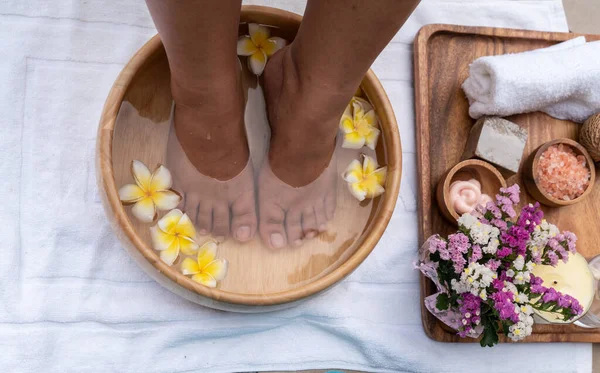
(135, 124)
(442, 56)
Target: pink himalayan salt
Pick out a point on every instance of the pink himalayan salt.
(562, 173)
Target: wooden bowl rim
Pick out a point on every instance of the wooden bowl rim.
(392, 145)
(464, 164)
(578, 147)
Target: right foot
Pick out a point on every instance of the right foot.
(297, 185)
(208, 155)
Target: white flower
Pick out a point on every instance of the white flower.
(483, 295)
(530, 266)
(521, 278)
(522, 298)
(526, 309)
(481, 233)
(541, 234)
(510, 273)
(467, 220)
(519, 262)
(492, 246)
(520, 330)
(473, 279)
(511, 287)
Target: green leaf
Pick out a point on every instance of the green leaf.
(505, 327)
(490, 332)
(443, 302)
(490, 338)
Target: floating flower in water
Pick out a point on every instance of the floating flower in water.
(174, 232)
(359, 124)
(258, 47)
(365, 180)
(150, 192)
(206, 269)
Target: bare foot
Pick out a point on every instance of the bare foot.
(296, 188)
(207, 154)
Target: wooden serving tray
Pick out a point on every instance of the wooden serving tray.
(442, 56)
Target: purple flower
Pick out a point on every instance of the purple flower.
(512, 192)
(469, 308)
(459, 264)
(476, 255)
(436, 243)
(553, 258)
(551, 295)
(504, 305)
(500, 224)
(530, 217)
(571, 240)
(504, 252)
(458, 242)
(563, 301)
(493, 264)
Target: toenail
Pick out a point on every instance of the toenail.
(243, 233)
(323, 227)
(311, 234)
(298, 242)
(277, 240)
(203, 232)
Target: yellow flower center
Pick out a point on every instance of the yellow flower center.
(363, 128)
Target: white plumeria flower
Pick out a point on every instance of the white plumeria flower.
(365, 180)
(258, 47)
(151, 192)
(206, 269)
(174, 232)
(359, 124)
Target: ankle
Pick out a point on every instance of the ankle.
(339, 87)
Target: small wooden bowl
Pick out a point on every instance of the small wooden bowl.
(137, 111)
(531, 167)
(490, 178)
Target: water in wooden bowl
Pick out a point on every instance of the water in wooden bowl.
(258, 278)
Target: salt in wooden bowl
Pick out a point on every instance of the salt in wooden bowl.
(530, 172)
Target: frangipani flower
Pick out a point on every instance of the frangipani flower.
(174, 232)
(150, 192)
(206, 269)
(359, 124)
(258, 47)
(365, 180)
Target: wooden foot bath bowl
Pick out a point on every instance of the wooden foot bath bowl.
(135, 125)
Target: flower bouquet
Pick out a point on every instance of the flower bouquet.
(483, 271)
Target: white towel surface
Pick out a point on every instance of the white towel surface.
(71, 300)
(562, 81)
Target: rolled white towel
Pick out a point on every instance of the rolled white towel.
(562, 81)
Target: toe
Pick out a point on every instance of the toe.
(309, 222)
(205, 213)
(320, 216)
(330, 201)
(293, 227)
(220, 221)
(243, 220)
(271, 227)
(191, 205)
